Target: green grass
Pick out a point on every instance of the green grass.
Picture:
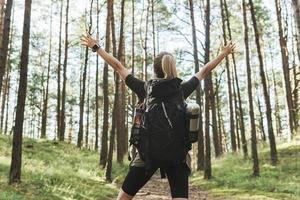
(232, 176)
(52, 170)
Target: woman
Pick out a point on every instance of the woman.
(164, 68)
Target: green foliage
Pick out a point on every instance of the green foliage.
(52, 170)
(232, 176)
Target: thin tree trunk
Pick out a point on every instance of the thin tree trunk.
(58, 74)
(144, 43)
(87, 129)
(286, 71)
(200, 156)
(277, 109)
(219, 122)
(103, 155)
(115, 117)
(231, 116)
(97, 87)
(240, 106)
(261, 121)
(82, 99)
(7, 83)
(45, 102)
(207, 89)
(254, 155)
(63, 100)
(153, 29)
(296, 8)
(273, 150)
(70, 131)
(121, 138)
(16, 159)
(236, 114)
(5, 40)
(2, 11)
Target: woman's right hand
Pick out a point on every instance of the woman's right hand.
(88, 41)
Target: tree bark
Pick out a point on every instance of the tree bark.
(87, 129)
(58, 74)
(208, 93)
(45, 101)
(240, 106)
(63, 100)
(16, 160)
(103, 155)
(2, 11)
(144, 43)
(261, 121)
(97, 87)
(200, 155)
(231, 116)
(272, 141)
(153, 29)
(82, 98)
(286, 72)
(296, 8)
(254, 154)
(5, 40)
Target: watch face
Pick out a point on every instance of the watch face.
(95, 48)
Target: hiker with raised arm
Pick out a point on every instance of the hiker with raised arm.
(160, 127)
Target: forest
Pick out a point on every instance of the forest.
(66, 116)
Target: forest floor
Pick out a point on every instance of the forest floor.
(158, 189)
(52, 170)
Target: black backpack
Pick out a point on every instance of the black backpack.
(160, 134)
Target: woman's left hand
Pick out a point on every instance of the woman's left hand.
(229, 48)
(88, 41)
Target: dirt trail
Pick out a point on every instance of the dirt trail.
(158, 189)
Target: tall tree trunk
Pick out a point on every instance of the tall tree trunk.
(236, 114)
(240, 106)
(296, 8)
(273, 150)
(200, 156)
(144, 42)
(87, 129)
(16, 159)
(207, 89)
(97, 87)
(45, 100)
(116, 105)
(254, 155)
(219, 122)
(63, 95)
(2, 11)
(133, 150)
(261, 121)
(82, 98)
(70, 130)
(121, 138)
(153, 29)
(286, 72)
(58, 73)
(231, 116)
(7, 82)
(277, 111)
(103, 155)
(5, 40)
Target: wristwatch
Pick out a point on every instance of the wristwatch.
(95, 47)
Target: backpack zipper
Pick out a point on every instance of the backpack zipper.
(166, 115)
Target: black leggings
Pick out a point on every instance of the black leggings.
(177, 177)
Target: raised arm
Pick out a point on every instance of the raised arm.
(226, 50)
(109, 59)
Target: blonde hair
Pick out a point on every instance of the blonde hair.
(169, 66)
